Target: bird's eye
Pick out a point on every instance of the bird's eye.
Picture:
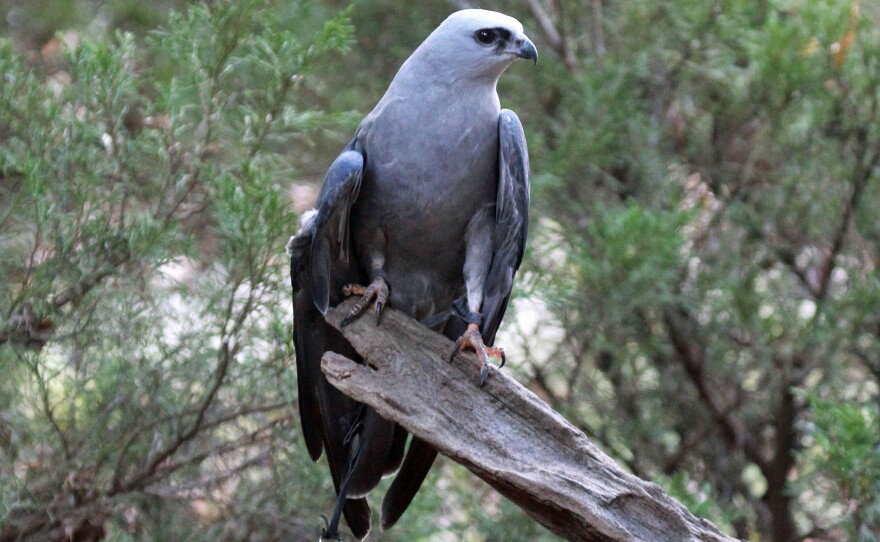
(485, 36)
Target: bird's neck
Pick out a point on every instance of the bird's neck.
(427, 71)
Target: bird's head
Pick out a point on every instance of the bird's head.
(479, 42)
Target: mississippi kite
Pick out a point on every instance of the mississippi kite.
(427, 206)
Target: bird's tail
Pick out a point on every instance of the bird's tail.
(419, 458)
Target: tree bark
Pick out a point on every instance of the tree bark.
(504, 434)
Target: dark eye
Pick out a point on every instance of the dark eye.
(485, 36)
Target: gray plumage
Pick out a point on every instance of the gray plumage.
(430, 198)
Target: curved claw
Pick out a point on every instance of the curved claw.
(484, 374)
(456, 348)
(472, 339)
(379, 306)
(348, 319)
(378, 288)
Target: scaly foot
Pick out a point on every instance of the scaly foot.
(378, 288)
(474, 340)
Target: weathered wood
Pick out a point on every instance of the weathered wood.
(504, 434)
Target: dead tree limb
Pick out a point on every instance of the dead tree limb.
(504, 434)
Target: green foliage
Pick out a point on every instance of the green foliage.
(697, 497)
(706, 175)
(147, 341)
(623, 261)
(844, 459)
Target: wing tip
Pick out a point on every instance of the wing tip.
(316, 453)
(322, 305)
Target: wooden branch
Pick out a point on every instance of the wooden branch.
(692, 355)
(554, 35)
(504, 434)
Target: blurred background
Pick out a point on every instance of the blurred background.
(700, 293)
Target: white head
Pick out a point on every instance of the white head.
(478, 43)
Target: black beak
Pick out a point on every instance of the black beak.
(525, 48)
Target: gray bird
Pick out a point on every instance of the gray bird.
(425, 209)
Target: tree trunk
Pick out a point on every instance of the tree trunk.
(504, 434)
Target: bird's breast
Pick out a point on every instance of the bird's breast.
(424, 181)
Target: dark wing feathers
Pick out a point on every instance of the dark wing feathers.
(357, 515)
(310, 267)
(319, 255)
(330, 231)
(320, 264)
(308, 338)
(419, 458)
(511, 221)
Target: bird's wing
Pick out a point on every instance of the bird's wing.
(314, 256)
(330, 228)
(321, 262)
(511, 221)
(325, 413)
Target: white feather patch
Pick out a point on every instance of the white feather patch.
(288, 248)
(306, 220)
(305, 228)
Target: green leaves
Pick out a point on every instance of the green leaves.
(632, 249)
(706, 185)
(147, 214)
(619, 264)
(843, 453)
(847, 438)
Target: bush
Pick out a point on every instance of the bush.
(146, 342)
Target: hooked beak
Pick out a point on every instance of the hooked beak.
(524, 48)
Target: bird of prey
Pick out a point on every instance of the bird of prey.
(426, 209)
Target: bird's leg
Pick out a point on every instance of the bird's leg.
(472, 338)
(478, 258)
(378, 288)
